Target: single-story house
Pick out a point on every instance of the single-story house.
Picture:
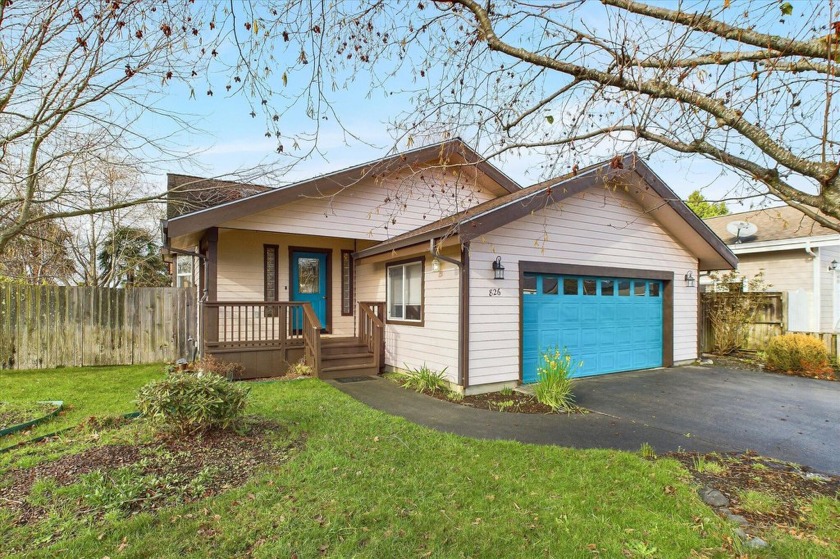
(433, 257)
(797, 256)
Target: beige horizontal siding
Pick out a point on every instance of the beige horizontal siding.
(375, 209)
(435, 344)
(828, 290)
(595, 228)
(241, 273)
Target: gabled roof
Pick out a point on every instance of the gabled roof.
(667, 207)
(441, 153)
(774, 224)
(188, 193)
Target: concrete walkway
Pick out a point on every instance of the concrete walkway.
(691, 408)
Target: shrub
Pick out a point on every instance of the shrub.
(425, 379)
(731, 309)
(797, 353)
(299, 369)
(190, 403)
(213, 364)
(554, 383)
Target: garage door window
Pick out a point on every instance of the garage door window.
(529, 285)
(405, 292)
(654, 289)
(624, 288)
(549, 285)
(570, 286)
(590, 287)
(607, 288)
(640, 288)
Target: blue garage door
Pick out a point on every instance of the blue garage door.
(611, 324)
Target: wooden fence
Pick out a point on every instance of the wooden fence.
(769, 320)
(52, 326)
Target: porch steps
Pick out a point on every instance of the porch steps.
(345, 357)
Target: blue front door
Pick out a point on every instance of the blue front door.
(611, 324)
(309, 284)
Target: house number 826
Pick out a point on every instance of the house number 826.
(495, 292)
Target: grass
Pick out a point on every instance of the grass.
(704, 465)
(758, 502)
(371, 485)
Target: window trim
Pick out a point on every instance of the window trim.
(350, 278)
(271, 311)
(403, 262)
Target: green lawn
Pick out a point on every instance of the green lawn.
(371, 485)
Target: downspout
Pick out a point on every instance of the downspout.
(817, 283)
(433, 249)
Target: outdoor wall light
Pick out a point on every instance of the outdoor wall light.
(498, 269)
(436, 265)
(689, 279)
(833, 266)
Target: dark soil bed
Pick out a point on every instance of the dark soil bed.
(515, 402)
(746, 361)
(14, 413)
(792, 486)
(221, 459)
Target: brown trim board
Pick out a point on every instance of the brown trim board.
(464, 299)
(667, 278)
(329, 252)
(351, 279)
(331, 183)
(422, 322)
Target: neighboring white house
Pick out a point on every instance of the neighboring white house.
(797, 256)
(434, 257)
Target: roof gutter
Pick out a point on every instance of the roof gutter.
(462, 282)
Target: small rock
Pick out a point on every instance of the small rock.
(713, 497)
(813, 476)
(737, 519)
(706, 362)
(741, 534)
(755, 543)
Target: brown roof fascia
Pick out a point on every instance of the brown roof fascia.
(542, 197)
(329, 183)
(670, 197)
(492, 214)
(475, 221)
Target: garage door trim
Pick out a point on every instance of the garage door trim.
(667, 278)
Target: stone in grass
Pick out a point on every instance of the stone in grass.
(755, 543)
(712, 497)
(737, 519)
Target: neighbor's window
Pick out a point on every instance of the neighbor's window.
(405, 291)
(184, 271)
(347, 282)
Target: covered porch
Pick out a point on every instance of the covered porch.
(267, 337)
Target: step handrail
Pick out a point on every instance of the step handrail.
(372, 331)
(311, 339)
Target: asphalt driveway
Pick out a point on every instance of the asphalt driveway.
(697, 408)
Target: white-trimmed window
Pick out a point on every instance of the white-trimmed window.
(405, 291)
(184, 271)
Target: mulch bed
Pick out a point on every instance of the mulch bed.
(793, 486)
(515, 402)
(747, 362)
(233, 458)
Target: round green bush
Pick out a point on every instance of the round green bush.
(189, 403)
(797, 353)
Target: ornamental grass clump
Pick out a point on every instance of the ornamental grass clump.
(797, 353)
(554, 382)
(425, 379)
(187, 404)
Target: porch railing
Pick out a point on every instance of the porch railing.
(237, 325)
(311, 339)
(372, 330)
